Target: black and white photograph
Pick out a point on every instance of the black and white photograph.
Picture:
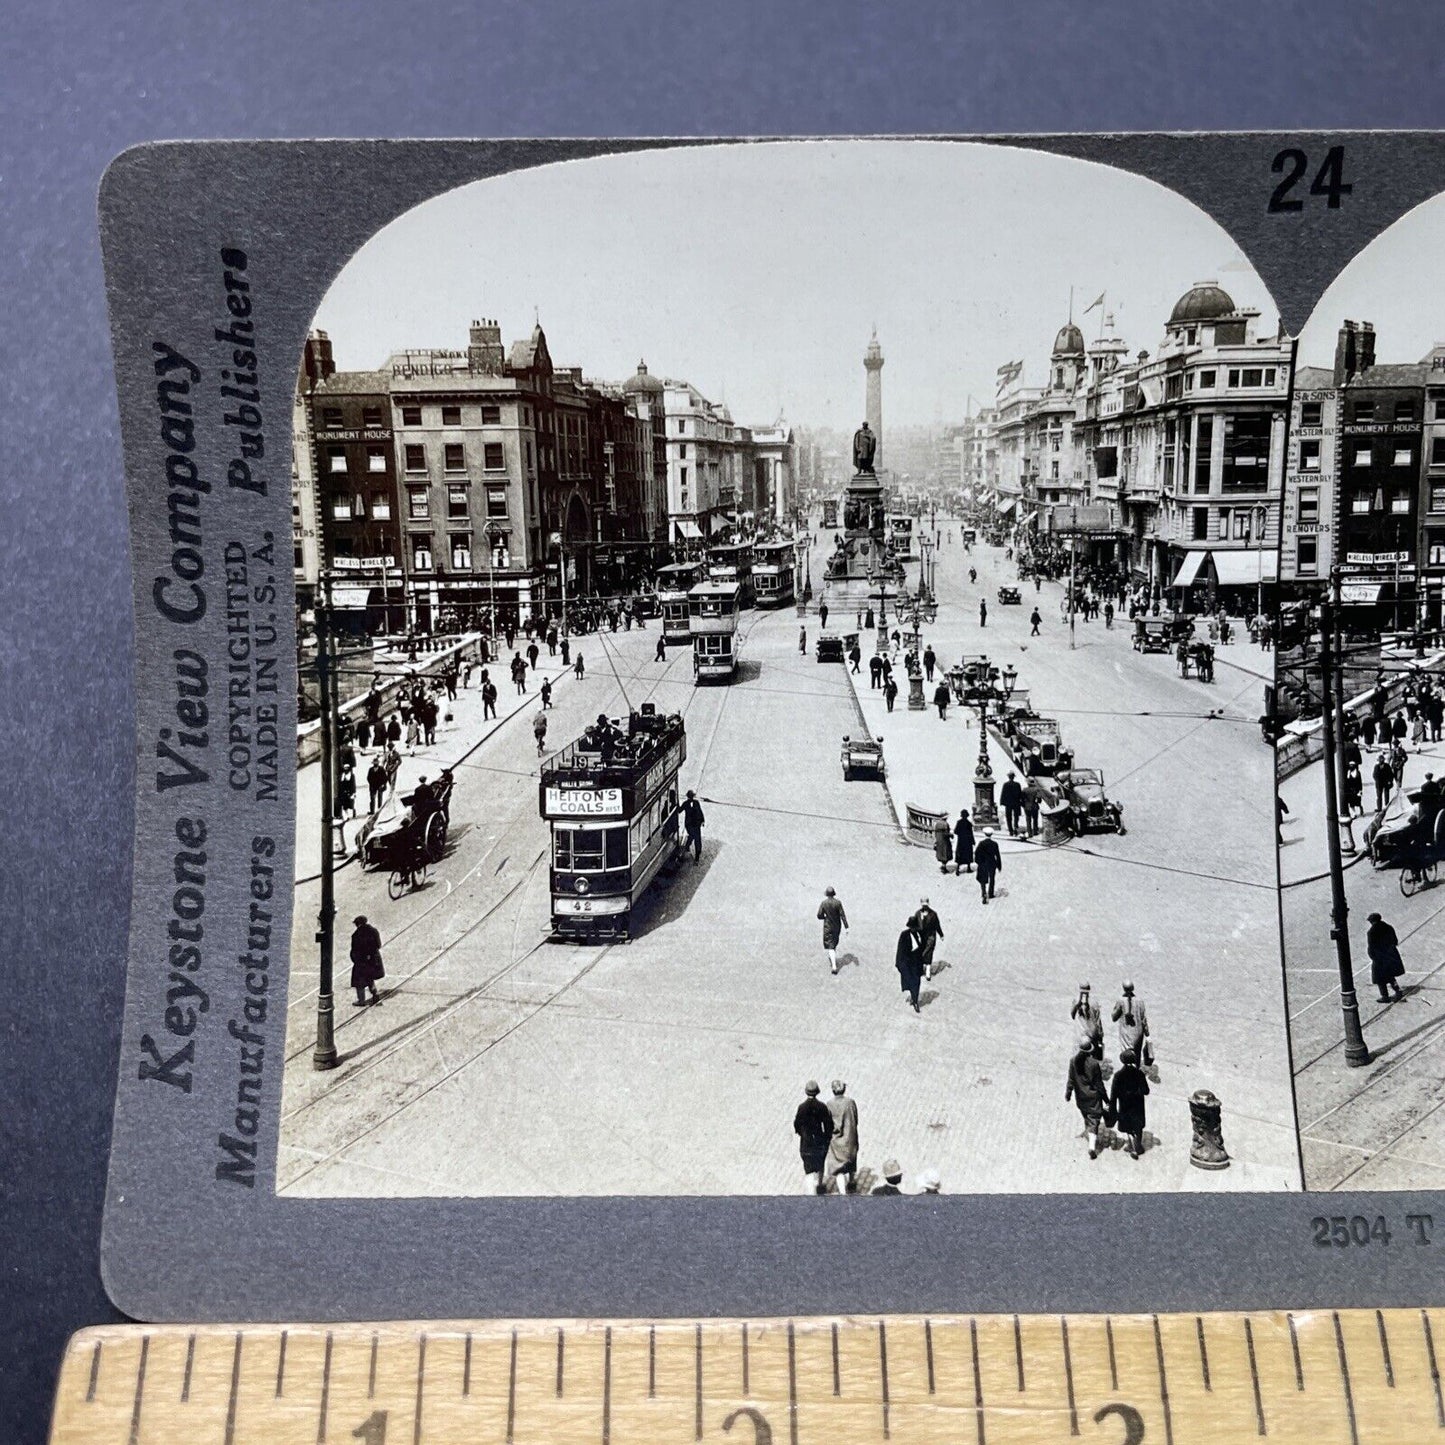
(1358, 711)
(780, 701)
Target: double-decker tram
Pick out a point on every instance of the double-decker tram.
(713, 617)
(900, 537)
(611, 800)
(674, 582)
(733, 562)
(830, 513)
(773, 573)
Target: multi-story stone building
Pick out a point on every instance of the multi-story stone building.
(1311, 485)
(1432, 491)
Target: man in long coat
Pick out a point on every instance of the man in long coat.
(1386, 965)
(1126, 1102)
(963, 842)
(910, 969)
(366, 965)
(813, 1125)
(843, 1147)
(1133, 1024)
(988, 862)
(1085, 1086)
(927, 928)
(1011, 799)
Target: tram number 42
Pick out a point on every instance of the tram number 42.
(1329, 180)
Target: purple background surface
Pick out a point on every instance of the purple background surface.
(78, 83)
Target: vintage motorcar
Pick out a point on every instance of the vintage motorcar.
(1037, 747)
(829, 647)
(1016, 707)
(863, 756)
(399, 817)
(1151, 634)
(1181, 626)
(1009, 597)
(970, 536)
(1089, 807)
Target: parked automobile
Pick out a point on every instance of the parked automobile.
(863, 756)
(1090, 809)
(1151, 634)
(1037, 746)
(1009, 596)
(829, 648)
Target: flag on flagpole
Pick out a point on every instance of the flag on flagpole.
(1093, 304)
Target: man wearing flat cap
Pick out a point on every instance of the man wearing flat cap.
(813, 1125)
(892, 1178)
(843, 1147)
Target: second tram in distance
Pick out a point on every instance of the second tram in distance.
(733, 562)
(773, 573)
(674, 582)
(713, 618)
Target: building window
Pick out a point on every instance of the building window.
(411, 416)
(682, 450)
(380, 507)
(502, 550)
(341, 508)
(299, 559)
(462, 552)
(1437, 451)
(1312, 413)
(496, 501)
(1363, 456)
(1309, 456)
(1309, 505)
(1399, 502)
(1363, 411)
(682, 426)
(371, 417)
(421, 553)
(1269, 376)
(1246, 453)
(458, 504)
(418, 503)
(1360, 503)
(451, 416)
(1307, 556)
(1437, 496)
(1201, 524)
(491, 416)
(455, 458)
(415, 457)
(1206, 378)
(529, 454)
(1204, 455)
(376, 459)
(1404, 411)
(492, 458)
(331, 418)
(336, 459)
(1241, 525)
(358, 507)
(1404, 456)
(1439, 412)
(682, 476)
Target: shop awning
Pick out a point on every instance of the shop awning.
(1360, 593)
(687, 529)
(1245, 567)
(1029, 520)
(1189, 569)
(1007, 505)
(351, 594)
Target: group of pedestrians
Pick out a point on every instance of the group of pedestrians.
(1119, 1104)
(828, 1145)
(960, 849)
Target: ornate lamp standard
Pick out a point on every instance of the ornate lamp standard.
(985, 810)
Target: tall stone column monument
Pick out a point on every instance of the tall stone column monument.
(873, 365)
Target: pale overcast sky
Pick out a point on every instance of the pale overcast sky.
(758, 271)
(1391, 283)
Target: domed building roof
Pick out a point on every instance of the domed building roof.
(1204, 301)
(1069, 341)
(643, 381)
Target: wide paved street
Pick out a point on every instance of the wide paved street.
(504, 1064)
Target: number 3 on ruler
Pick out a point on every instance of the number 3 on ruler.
(1329, 180)
(1133, 1422)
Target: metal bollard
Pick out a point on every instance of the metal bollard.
(1206, 1150)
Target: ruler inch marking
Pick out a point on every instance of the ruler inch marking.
(977, 1381)
(233, 1402)
(1434, 1368)
(652, 1362)
(94, 1374)
(697, 1382)
(1299, 1373)
(420, 1388)
(792, 1387)
(467, 1365)
(837, 1377)
(746, 1391)
(1113, 1361)
(325, 1392)
(1069, 1376)
(140, 1385)
(281, 1366)
(1254, 1377)
(512, 1388)
(607, 1386)
(371, 1373)
(928, 1351)
(561, 1357)
(190, 1361)
(1345, 1378)
(1019, 1352)
(883, 1375)
(1385, 1349)
(1203, 1353)
(1163, 1383)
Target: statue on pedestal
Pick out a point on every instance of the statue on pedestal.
(865, 447)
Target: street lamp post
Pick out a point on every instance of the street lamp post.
(324, 1055)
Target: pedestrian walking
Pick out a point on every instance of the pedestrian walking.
(1090, 1018)
(1032, 801)
(813, 1125)
(539, 731)
(413, 734)
(366, 965)
(566, 652)
(1133, 1021)
(1035, 617)
(942, 842)
(1400, 727)
(1354, 790)
(376, 783)
(941, 696)
(843, 1146)
(393, 730)
(928, 930)
(1417, 731)
(855, 656)
(890, 693)
(1011, 795)
(963, 843)
(910, 969)
(1126, 1103)
(1367, 731)
(1384, 776)
(1281, 812)
(988, 864)
(802, 641)
(982, 612)
(552, 641)
(835, 920)
(692, 821)
(930, 659)
(546, 692)
(892, 1179)
(363, 734)
(392, 764)
(489, 700)
(822, 614)
(875, 671)
(1386, 965)
(533, 652)
(579, 668)
(1085, 1086)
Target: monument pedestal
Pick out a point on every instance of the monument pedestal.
(915, 692)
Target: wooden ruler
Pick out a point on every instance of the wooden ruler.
(1352, 1376)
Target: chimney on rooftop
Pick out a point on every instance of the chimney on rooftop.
(317, 362)
(484, 351)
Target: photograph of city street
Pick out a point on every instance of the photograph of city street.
(1359, 713)
(785, 693)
